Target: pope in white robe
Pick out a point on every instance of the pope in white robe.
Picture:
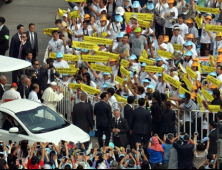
(51, 98)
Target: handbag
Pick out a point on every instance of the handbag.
(160, 21)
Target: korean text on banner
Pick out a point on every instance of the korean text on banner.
(70, 71)
(143, 23)
(96, 40)
(187, 82)
(68, 57)
(208, 69)
(85, 45)
(214, 108)
(154, 69)
(106, 54)
(147, 61)
(89, 89)
(140, 16)
(207, 95)
(183, 90)
(120, 99)
(177, 47)
(101, 68)
(191, 72)
(208, 10)
(171, 80)
(124, 71)
(199, 100)
(49, 30)
(74, 86)
(213, 28)
(165, 54)
(213, 80)
(95, 58)
(120, 80)
(124, 63)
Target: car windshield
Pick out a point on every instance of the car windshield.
(41, 120)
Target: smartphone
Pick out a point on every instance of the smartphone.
(63, 142)
(10, 142)
(81, 153)
(20, 162)
(50, 143)
(38, 143)
(128, 151)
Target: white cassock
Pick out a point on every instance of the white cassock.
(10, 95)
(51, 98)
(34, 97)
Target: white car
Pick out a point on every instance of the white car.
(37, 123)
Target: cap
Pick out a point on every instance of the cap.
(160, 75)
(14, 85)
(150, 5)
(220, 50)
(105, 86)
(84, 50)
(195, 64)
(112, 60)
(182, 96)
(143, 65)
(64, 24)
(188, 53)
(106, 74)
(188, 43)
(194, 87)
(159, 59)
(170, 1)
(133, 57)
(196, 59)
(193, 95)
(53, 83)
(176, 27)
(219, 34)
(214, 74)
(150, 86)
(118, 18)
(166, 38)
(59, 55)
(219, 60)
(111, 145)
(208, 16)
(146, 81)
(136, 4)
(103, 19)
(138, 29)
(65, 75)
(120, 35)
(189, 21)
(198, 83)
(65, 15)
(190, 36)
(120, 11)
(86, 16)
(134, 16)
(213, 86)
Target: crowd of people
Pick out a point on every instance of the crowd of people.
(166, 58)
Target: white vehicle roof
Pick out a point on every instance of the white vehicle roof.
(8, 64)
(20, 105)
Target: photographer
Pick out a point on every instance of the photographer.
(114, 26)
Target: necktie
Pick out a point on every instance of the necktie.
(32, 40)
(116, 124)
(20, 52)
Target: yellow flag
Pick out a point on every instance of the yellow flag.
(199, 22)
(120, 99)
(199, 99)
(144, 54)
(213, 28)
(177, 47)
(187, 82)
(95, 58)
(171, 80)
(183, 90)
(213, 80)
(49, 30)
(124, 71)
(191, 72)
(165, 54)
(208, 10)
(68, 57)
(104, 34)
(97, 40)
(74, 14)
(74, 86)
(199, 68)
(101, 68)
(207, 95)
(208, 69)
(89, 89)
(147, 61)
(61, 12)
(84, 45)
(120, 80)
(124, 63)
(70, 71)
(106, 54)
(94, 34)
(154, 69)
(140, 16)
(214, 108)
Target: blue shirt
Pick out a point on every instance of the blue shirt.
(155, 157)
(166, 155)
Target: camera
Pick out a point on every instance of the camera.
(113, 19)
(172, 14)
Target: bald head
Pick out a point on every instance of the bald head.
(35, 88)
(28, 82)
(3, 80)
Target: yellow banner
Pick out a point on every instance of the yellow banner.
(207, 95)
(199, 99)
(74, 14)
(96, 40)
(101, 68)
(183, 90)
(214, 108)
(84, 45)
(140, 16)
(106, 54)
(120, 99)
(165, 54)
(187, 82)
(199, 22)
(124, 71)
(65, 57)
(124, 63)
(74, 86)
(147, 61)
(191, 72)
(89, 89)
(144, 23)
(61, 12)
(208, 10)
(154, 69)
(177, 47)
(213, 28)
(75, 0)
(213, 80)
(120, 80)
(95, 58)
(182, 68)
(171, 80)
(72, 66)
(70, 71)
(208, 69)
(144, 54)
(49, 30)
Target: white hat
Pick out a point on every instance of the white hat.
(53, 83)
(120, 11)
(65, 15)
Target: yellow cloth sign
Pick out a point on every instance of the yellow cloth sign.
(95, 58)
(144, 54)
(120, 99)
(84, 45)
(96, 40)
(119, 79)
(124, 63)
(73, 14)
(182, 68)
(143, 23)
(213, 80)
(207, 95)
(177, 47)
(165, 54)
(187, 82)
(101, 68)
(191, 72)
(199, 22)
(49, 30)
(140, 16)
(89, 89)
(183, 90)
(75, 0)
(74, 86)
(171, 80)
(106, 54)
(213, 28)
(124, 71)
(208, 69)
(70, 71)
(147, 61)
(65, 57)
(154, 69)
(214, 108)
(199, 99)
(208, 10)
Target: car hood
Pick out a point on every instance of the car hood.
(70, 133)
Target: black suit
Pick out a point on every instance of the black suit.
(26, 48)
(141, 124)
(36, 47)
(1, 92)
(128, 111)
(14, 46)
(4, 41)
(82, 116)
(213, 142)
(102, 110)
(21, 91)
(121, 140)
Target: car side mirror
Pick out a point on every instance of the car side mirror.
(14, 130)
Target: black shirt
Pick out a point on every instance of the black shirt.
(2, 163)
(216, 101)
(8, 125)
(156, 112)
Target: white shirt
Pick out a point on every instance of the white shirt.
(189, 63)
(178, 40)
(150, 31)
(56, 46)
(33, 96)
(62, 64)
(217, 46)
(168, 11)
(160, 9)
(99, 10)
(100, 30)
(141, 96)
(205, 39)
(194, 31)
(183, 30)
(89, 31)
(1, 27)
(19, 36)
(114, 30)
(11, 95)
(142, 76)
(114, 103)
(170, 47)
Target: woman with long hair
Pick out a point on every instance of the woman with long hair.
(87, 80)
(22, 152)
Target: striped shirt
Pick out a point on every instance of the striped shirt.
(189, 107)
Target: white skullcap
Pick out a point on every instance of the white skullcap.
(53, 83)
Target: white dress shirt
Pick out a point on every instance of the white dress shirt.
(33, 96)
(1, 27)
(2, 86)
(62, 64)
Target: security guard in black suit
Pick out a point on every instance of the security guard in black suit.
(4, 37)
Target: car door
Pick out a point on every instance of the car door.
(16, 137)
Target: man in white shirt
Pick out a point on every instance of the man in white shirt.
(101, 7)
(183, 27)
(219, 74)
(192, 29)
(59, 63)
(11, 94)
(112, 99)
(177, 38)
(55, 44)
(33, 94)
